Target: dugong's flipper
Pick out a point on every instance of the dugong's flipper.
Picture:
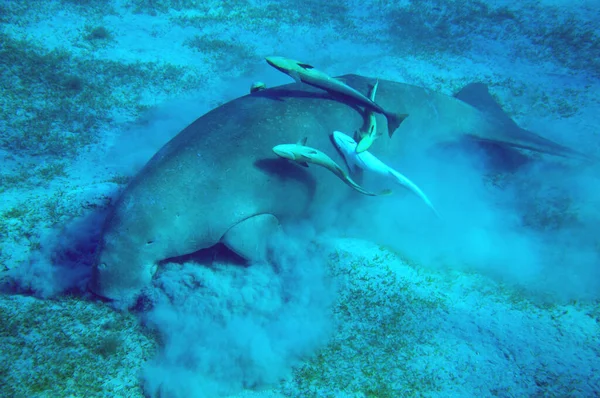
(249, 237)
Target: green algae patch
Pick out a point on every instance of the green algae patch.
(383, 319)
(58, 102)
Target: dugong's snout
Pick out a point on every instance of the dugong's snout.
(120, 275)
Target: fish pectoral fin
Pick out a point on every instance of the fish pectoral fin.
(306, 66)
(249, 237)
(296, 76)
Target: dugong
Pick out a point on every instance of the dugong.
(219, 181)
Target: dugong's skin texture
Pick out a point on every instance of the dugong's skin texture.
(221, 170)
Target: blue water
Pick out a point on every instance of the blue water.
(499, 298)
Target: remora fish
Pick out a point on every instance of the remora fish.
(367, 134)
(306, 73)
(368, 162)
(302, 154)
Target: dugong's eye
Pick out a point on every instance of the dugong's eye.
(149, 242)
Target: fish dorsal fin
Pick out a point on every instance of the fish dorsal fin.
(305, 66)
(302, 141)
(478, 96)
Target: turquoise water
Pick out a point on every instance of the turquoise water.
(499, 297)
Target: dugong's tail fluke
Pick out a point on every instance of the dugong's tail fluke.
(478, 96)
(393, 121)
(408, 184)
(531, 141)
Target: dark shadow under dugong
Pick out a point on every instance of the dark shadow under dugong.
(218, 180)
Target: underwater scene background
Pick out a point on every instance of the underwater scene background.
(498, 297)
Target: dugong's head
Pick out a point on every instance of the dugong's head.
(127, 256)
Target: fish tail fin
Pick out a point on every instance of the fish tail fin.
(394, 120)
(408, 184)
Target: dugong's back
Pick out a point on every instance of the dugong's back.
(217, 172)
